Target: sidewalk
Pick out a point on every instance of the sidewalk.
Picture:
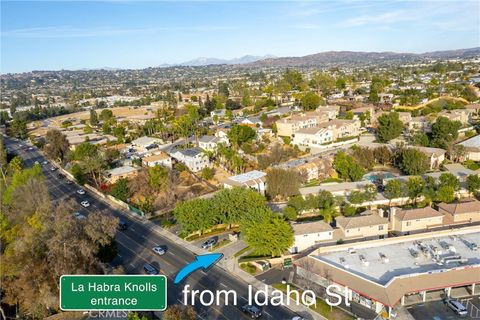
(230, 265)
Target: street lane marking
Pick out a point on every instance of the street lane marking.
(222, 284)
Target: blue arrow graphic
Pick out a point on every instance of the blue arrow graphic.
(203, 261)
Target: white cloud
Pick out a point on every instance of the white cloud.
(76, 32)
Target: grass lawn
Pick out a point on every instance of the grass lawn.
(240, 252)
(248, 267)
(321, 306)
(220, 244)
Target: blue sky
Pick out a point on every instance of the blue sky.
(43, 35)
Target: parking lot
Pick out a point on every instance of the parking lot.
(437, 310)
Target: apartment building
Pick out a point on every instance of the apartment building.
(307, 234)
(407, 221)
(370, 226)
(313, 137)
(342, 128)
(467, 211)
(287, 127)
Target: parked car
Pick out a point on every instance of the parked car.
(53, 169)
(69, 181)
(149, 269)
(472, 246)
(252, 311)
(79, 216)
(85, 204)
(264, 265)
(81, 191)
(122, 225)
(45, 162)
(209, 243)
(36, 162)
(159, 250)
(457, 307)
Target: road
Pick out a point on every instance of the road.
(135, 245)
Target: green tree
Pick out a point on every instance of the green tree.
(420, 139)
(18, 128)
(347, 167)
(473, 183)
(444, 132)
(93, 118)
(448, 179)
(415, 186)
(106, 114)
(15, 165)
(4, 117)
(120, 190)
(158, 177)
(94, 166)
(413, 162)
(389, 127)
(195, 215)
(78, 173)
(85, 150)
(57, 145)
(310, 101)
(289, 213)
(393, 189)
(239, 135)
(446, 194)
(207, 173)
(348, 210)
(323, 82)
(269, 236)
(238, 204)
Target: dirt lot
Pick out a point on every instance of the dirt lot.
(40, 127)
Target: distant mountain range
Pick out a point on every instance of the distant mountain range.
(202, 61)
(353, 57)
(331, 58)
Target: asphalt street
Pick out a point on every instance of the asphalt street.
(135, 249)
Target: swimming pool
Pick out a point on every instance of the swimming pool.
(378, 175)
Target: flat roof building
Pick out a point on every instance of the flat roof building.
(253, 179)
(383, 274)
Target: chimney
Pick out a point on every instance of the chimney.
(391, 218)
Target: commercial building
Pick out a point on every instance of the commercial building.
(384, 274)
